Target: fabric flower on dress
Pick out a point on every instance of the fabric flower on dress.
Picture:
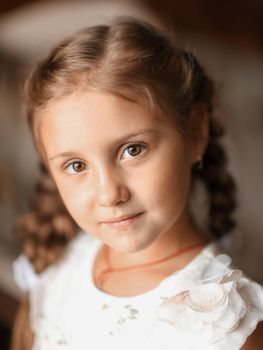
(210, 309)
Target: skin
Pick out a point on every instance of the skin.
(109, 180)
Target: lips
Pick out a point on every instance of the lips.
(120, 218)
(123, 221)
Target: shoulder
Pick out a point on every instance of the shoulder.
(61, 274)
(27, 279)
(222, 306)
(56, 276)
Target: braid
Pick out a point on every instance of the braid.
(219, 184)
(46, 231)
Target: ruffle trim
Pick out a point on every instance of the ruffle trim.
(220, 311)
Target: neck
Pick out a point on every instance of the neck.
(179, 236)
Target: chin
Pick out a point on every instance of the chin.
(126, 245)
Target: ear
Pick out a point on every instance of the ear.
(198, 131)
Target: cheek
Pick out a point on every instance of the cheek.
(75, 199)
(167, 183)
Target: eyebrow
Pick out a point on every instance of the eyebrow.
(137, 133)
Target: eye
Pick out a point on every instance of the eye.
(75, 167)
(134, 150)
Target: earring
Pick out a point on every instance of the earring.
(199, 164)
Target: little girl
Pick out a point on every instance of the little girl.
(123, 122)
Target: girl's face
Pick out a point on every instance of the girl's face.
(111, 158)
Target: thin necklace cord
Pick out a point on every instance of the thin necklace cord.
(100, 279)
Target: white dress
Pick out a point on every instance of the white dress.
(206, 305)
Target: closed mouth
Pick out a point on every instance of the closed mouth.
(121, 218)
(123, 222)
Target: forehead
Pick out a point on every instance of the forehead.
(92, 117)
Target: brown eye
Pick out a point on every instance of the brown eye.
(134, 150)
(76, 167)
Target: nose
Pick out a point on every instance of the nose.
(111, 189)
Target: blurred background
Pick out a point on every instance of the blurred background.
(225, 35)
